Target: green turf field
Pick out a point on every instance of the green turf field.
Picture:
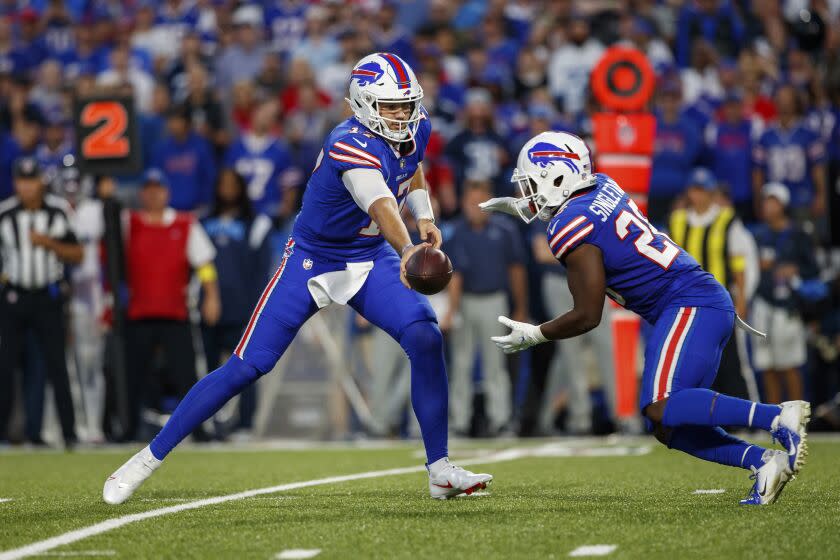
(538, 506)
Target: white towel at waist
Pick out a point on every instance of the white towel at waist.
(339, 286)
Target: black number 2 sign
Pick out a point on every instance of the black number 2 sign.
(106, 128)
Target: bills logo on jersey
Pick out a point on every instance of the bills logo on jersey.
(367, 73)
(544, 154)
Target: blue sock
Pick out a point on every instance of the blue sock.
(715, 445)
(203, 401)
(702, 407)
(423, 343)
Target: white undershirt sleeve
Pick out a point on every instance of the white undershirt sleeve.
(200, 249)
(366, 186)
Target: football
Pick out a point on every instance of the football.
(428, 270)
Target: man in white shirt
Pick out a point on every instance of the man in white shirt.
(122, 73)
(571, 64)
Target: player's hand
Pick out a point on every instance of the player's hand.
(430, 233)
(506, 205)
(522, 336)
(405, 256)
(517, 207)
(211, 309)
(39, 239)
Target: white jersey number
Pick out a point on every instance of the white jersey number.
(663, 257)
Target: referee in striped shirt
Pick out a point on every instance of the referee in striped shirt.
(36, 239)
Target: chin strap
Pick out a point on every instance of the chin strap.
(745, 326)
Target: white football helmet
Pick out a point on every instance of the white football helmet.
(550, 168)
(385, 78)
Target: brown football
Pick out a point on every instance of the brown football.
(428, 270)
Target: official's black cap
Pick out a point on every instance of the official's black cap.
(27, 168)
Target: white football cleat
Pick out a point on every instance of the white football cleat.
(789, 429)
(770, 479)
(447, 480)
(121, 485)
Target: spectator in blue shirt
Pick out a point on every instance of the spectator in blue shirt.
(488, 254)
(479, 152)
(729, 143)
(787, 261)
(713, 20)
(391, 37)
(187, 160)
(86, 55)
(675, 153)
(32, 47)
(790, 153)
(265, 164)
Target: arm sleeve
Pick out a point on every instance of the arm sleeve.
(366, 186)
(200, 249)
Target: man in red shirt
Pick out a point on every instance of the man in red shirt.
(163, 248)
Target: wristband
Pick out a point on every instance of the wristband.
(207, 273)
(406, 248)
(420, 205)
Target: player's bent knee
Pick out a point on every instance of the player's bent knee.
(240, 373)
(421, 336)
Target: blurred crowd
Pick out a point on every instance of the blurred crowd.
(233, 101)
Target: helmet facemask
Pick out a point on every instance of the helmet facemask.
(539, 204)
(404, 130)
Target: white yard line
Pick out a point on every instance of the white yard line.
(81, 553)
(70, 537)
(5, 500)
(594, 550)
(709, 491)
(293, 553)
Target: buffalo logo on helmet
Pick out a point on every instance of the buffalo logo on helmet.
(544, 154)
(367, 73)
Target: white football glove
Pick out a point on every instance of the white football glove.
(522, 336)
(507, 205)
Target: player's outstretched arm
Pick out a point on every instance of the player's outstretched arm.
(587, 283)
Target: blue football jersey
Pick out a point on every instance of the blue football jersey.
(330, 222)
(788, 156)
(266, 166)
(646, 272)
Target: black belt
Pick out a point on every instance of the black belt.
(53, 288)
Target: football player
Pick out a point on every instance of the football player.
(349, 246)
(609, 247)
